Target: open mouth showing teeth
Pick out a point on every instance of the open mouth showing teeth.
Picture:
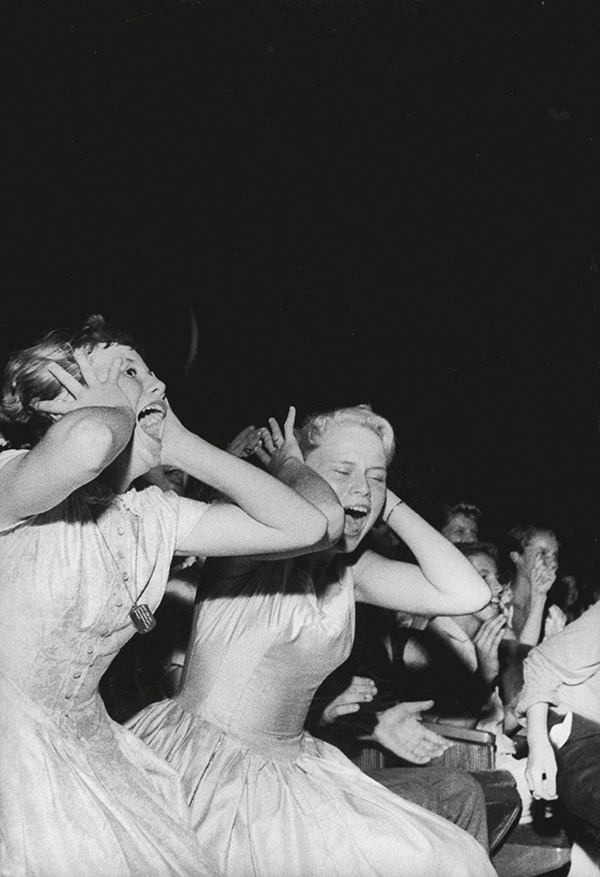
(354, 520)
(151, 416)
(357, 513)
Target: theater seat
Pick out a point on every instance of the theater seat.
(535, 850)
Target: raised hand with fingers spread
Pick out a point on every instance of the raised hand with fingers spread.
(93, 390)
(277, 447)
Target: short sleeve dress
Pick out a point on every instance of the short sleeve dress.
(80, 796)
(267, 798)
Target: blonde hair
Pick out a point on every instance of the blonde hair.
(316, 426)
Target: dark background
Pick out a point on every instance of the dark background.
(393, 202)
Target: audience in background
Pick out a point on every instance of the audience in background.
(533, 553)
(460, 522)
(561, 701)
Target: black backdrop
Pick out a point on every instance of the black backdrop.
(394, 202)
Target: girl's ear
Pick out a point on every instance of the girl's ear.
(515, 557)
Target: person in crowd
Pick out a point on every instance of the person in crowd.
(569, 596)
(368, 712)
(460, 522)
(454, 660)
(533, 552)
(84, 565)
(266, 797)
(561, 702)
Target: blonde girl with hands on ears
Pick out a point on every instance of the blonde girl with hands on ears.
(266, 797)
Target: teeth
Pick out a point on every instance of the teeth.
(151, 417)
(356, 510)
(153, 411)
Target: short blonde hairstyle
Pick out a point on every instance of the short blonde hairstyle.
(316, 426)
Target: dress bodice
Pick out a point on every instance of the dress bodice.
(266, 797)
(79, 794)
(69, 578)
(262, 645)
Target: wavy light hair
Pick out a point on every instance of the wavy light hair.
(26, 379)
(316, 426)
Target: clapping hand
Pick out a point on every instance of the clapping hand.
(360, 690)
(246, 442)
(400, 730)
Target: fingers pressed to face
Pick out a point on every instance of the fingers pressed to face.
(70, 383)
(88, 371)
(114, 370)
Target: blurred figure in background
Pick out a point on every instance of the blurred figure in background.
(460, 522)
(533, 553)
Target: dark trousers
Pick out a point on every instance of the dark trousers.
(578, 782)
(455, 795)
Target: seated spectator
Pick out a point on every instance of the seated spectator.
(533, 553)
(351, 711)
(471, 666)
(568, 596)
(460, 522)
(561, 702)
(455, 659)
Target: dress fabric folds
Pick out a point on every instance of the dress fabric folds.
(80, 796)
(268, 799)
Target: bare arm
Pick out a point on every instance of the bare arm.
(443, 582)
(541, 761)
(268, 515)
(96, 421)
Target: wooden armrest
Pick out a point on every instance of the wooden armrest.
(471, 749)
(457, 732)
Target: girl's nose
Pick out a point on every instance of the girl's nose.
(361, 485)
(157, 387)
